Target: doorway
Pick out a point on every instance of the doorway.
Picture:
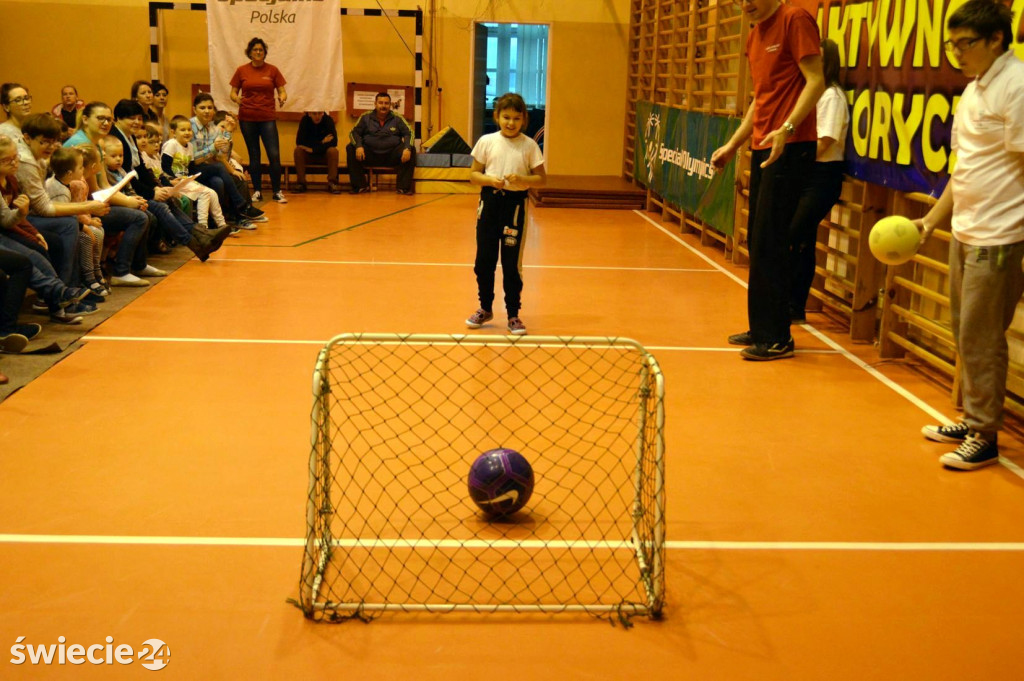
(510, 58)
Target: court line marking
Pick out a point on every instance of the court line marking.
(885, 380)
(351, 227)
(468, 343)
(465, 265)
(292, 542)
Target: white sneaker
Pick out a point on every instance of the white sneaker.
(257, 197)
(279, 197)
(150, 271)
(128, 280)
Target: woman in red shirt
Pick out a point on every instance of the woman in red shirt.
(252, 88)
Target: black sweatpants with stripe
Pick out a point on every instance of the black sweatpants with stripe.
(500, 230)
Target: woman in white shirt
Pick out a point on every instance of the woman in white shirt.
(822, 189)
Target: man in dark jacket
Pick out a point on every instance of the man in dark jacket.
(381, 138)
(317, 141)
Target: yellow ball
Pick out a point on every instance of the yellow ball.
(894, 240)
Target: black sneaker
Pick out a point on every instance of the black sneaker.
(254, 214)
(745, 338)
(80, 309)
(29, 331)
(71, 295)
(973, 452)
(763, 352)
(955, 433)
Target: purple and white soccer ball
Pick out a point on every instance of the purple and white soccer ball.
(500, 481)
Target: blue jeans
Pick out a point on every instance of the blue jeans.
(131, 254)
(253, 132)
(43, 279)
(15, 273)
(172, 222)
(216, 177)
(61, 236)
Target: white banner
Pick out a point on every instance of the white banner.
(303, 39)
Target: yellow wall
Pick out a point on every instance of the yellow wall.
(101, 46)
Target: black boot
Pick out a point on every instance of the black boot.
(204, 242)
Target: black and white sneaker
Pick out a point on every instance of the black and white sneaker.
(974, 452)
(254, 214)
(62, 317)
(765, 352)
(257, 197)
(955, 433)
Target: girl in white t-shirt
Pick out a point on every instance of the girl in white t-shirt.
(505, 164)
(823, 187)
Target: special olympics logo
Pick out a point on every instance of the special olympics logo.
(652, 142)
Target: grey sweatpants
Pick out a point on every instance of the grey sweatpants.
(985, 283)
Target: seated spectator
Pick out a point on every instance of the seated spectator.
(70, 106)
(92, 165)
(162, 121)
(15, 272)
(18, 235)
(227, 123)
(317, 141)
(58, 223)
(208, 145)
(17, 104)
(142, 92)
(174, 225)
(67, 185)
(127, 214)
(177, 161)
(381, 138)
(150, 142)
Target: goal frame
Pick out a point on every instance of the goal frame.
(320, 545)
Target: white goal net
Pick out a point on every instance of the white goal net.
(397, 422)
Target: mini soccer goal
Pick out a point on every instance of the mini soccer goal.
(399, 420)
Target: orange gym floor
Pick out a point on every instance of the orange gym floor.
(154, 482)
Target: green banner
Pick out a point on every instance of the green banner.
(673, 158)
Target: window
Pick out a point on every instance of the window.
(517, 57)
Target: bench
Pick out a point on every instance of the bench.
(315, 169)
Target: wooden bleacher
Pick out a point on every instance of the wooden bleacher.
(589, 191)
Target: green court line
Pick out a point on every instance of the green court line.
(345, 229)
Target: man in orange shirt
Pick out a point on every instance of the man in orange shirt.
(784, 51)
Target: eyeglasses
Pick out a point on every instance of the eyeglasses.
(10, 160)
(961, 45)
(22, 100)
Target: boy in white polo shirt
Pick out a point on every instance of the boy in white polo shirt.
(985, 199)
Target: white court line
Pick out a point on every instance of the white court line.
(242, 341)
(462, 264)
(272, 341)
(292, 542)
(900, 390)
